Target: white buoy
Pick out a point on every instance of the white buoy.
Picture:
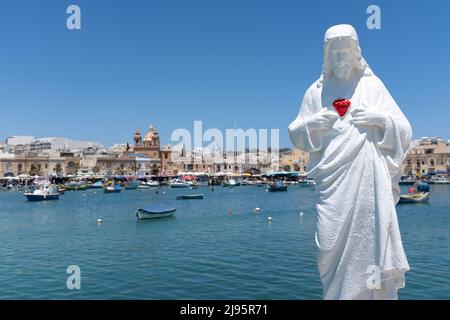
(301, 213)
(99, 221)
(257, 209)
(269, 219)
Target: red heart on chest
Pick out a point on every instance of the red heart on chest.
(341, 106)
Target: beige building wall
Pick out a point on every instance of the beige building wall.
(295, 160)
(428, 156)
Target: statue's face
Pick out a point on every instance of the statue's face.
(342, 55)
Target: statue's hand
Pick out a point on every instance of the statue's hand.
(322, 120)
(368, 117)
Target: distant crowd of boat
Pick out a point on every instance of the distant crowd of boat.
(46, 189)
(434, 179)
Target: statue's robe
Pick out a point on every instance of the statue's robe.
(357, 170)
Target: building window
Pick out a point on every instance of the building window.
(432, 162)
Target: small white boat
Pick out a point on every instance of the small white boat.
(155, 211)
(177, 183)
(231, 183)
(250, 182)
(43, 192)
(144, 185)
(441, 180)
(307, 183)
(153, 184)
(116, 188)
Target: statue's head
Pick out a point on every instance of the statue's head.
(342, 55)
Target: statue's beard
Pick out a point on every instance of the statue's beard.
(343, 72)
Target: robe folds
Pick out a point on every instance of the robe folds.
(357, 170)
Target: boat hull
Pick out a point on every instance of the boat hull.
(417, 198)
(277, 189)
(179, 186)
(112, 190)
(143, 215)
(190, 196)
(42, 197)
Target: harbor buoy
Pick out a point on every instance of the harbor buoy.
(99, 221)
(301, 213)
(269, 219)
(257, 209)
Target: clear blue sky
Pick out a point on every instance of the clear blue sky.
(168, 63)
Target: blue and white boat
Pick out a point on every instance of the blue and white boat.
(155, 211)
(43, 192)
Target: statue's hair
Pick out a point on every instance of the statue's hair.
(361, 67)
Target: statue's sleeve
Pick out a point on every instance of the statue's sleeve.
(301, 136)
(395, 141)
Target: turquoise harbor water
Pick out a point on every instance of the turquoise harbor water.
(201, 253)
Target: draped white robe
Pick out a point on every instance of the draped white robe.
(357, 172)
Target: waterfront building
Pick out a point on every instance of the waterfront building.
(31, 163)
(428, 156)
(150, 146)
(294, 160)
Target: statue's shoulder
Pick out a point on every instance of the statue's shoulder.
(315, 89)
(373, 81)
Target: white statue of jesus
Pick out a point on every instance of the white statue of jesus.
(357, 138)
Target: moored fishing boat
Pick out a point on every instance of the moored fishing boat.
(114, 188)
(96, 185)
(76, 186)
(418, 197)
(155, 211)
(43, 192)
(306, 183)
(230, 183)
(190, 196)
(144, 185)
(61, 189)
(177, 183)
(153, 183)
